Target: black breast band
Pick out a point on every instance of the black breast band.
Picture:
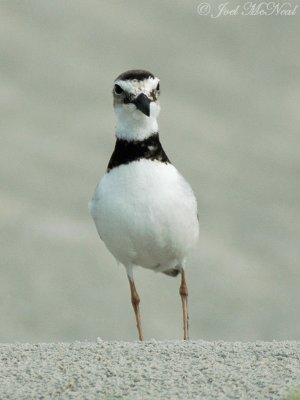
(128, 151)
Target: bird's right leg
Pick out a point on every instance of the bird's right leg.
(135, 300)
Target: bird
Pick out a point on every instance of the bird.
(144, 210)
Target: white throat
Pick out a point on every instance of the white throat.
(132, 124)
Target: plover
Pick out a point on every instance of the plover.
(144, 210)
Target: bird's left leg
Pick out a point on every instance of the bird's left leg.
(135, 300)
(185, 310)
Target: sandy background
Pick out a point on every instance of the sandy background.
(230, 122)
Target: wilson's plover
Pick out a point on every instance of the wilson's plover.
(144, 210)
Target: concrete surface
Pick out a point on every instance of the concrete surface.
(150, 370)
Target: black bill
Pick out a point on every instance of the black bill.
(143, 104)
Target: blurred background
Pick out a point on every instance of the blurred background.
(230, 123)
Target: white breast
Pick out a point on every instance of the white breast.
(146, 214)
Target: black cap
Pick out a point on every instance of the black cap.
(138, 74)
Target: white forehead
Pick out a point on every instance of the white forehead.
(134, 86)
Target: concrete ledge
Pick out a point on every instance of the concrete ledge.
(150, 370)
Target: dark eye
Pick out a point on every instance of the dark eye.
(158, 87)
(118, 89)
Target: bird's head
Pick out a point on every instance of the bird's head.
(136, 103)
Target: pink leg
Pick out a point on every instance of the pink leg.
(184, 298)
(135, 300)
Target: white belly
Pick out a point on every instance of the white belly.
(146, 214)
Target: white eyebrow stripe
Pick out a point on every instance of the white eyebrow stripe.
(127, 86)
(135, 87)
